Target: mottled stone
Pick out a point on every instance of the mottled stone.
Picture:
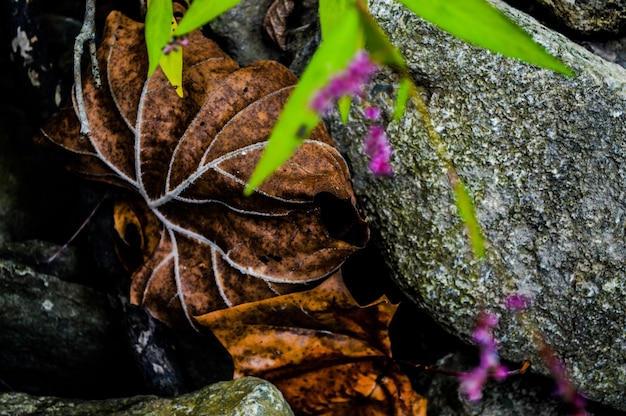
(240, 30)
(544, 157)
(589, 17)
(57, 337)
(246, 396)
(517, 395)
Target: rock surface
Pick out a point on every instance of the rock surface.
(240, 31)
(544, 157)
(588, 17)
(57, 337)
(519, 395)
(246, 396)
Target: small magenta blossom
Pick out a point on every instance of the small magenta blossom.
(516, 302)
(352, 82)
(377, 147)
(175, 43)
(372, 113)
(472, 383)
(349, 82)
(564, 387)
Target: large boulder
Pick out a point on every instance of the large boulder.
(544, 157)
(57, 337)
(246, 396)
(589, 17)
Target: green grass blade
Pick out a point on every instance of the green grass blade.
(480, 23)
(331, 13)
(172, 66)
(378, 45)
(157, 30)
(344, 105)
(297, 120)
(405, 89)
(202, 12)
(467, 212)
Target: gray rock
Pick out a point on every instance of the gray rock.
(57, 337)
(12, 216)
(589, 17)
(241, 29)
(517, 395)
(246, 396)
(544, 157)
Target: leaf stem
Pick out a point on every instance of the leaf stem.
(82, 226)
(521, 370)
(87, 34)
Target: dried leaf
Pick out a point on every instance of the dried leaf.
(275, 21)
(327, 354)
(188, 161)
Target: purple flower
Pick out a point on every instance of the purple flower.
(352, 82)
(377, 147)
(175, 43)
(472, 383)
(516, 302)
(349, 82)
(372, 113)
(564, 387)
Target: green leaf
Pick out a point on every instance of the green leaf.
(157, 30)
(480, 23)
(297, 119)
(402, 97)
(331, 13)
(465, 205)
(378, 45)
(172, 65)
(202, 12)
(344, 107)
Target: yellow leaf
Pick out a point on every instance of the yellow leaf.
(172, 65)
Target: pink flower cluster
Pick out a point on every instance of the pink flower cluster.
(377, 146)
(352, 82)
(471, 384)
(175, 43)
(564, 387)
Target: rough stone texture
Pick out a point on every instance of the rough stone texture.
(240, 30)
(589, 17)
(520, 395)
(544, 157)
(613, 50)
(57, 337)
(13, 218)
(246, 396)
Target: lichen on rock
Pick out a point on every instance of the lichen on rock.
(544, 157)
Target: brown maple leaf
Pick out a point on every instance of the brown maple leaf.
(205, 245)
(327, 354)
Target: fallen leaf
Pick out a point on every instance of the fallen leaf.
(188, 159)
(275, 21)
(327, 354)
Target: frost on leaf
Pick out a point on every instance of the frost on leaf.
(204, 245)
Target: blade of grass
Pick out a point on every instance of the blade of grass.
(297, 119)
(157, 29)
(480, 23)
(202, 12)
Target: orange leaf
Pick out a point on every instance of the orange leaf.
(327, 354)
(188, 161)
